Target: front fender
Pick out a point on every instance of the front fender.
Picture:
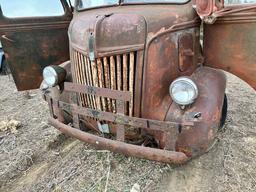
(194, 141)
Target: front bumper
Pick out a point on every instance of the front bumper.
(121, 147)
(169, 129)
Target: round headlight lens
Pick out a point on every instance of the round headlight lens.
(54, 75)
(183, 91)
(50, 76)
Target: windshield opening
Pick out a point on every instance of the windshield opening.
(87, 4)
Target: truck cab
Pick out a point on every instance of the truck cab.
(134, 76)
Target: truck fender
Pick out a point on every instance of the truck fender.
(206, 111)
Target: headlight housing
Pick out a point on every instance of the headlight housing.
(54, 75)
(183, 91)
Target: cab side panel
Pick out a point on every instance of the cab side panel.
(32, 43)
(229, 44)
(28, 52)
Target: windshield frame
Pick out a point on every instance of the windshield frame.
(122, 3)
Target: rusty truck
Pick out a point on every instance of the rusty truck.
(139, 77)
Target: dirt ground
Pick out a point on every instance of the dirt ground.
(36, 157)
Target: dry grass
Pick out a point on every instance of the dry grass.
(38, 158)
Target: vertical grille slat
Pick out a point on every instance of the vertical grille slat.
(77, 71)
(107, 80)
(119, 73)
(91, 81)
(125, 75)
(87, 97)
(76, 66)
(116, 72)
(90, 100)
(125, 72)
(101, 81)
(82, 76)
(95, 82)
(131, 81)
(112, 79)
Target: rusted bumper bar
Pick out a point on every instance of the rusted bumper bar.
(165, 156)
(169, 129)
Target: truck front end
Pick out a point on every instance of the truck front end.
(135, 83)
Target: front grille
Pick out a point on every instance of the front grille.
(115, 72)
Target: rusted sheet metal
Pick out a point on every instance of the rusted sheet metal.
(117, 118)
(206, 8)
(121, 147)
(101, 92)
(155, 35)
(229, 45)
(186, 51)
(30, 44)
(138, 84)
(196, 140)
(162, 67)
(125, 28)
(145, 30)
(126, 120)
(167, 128)
(227, 11)
(112, 33)
(182, 130)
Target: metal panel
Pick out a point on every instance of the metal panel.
(31, 44)
(229, 44)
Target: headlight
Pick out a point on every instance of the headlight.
(54, 75)
(183, 91)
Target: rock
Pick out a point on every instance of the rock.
(135, 188)
(11, 126)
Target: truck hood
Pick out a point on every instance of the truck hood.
(125, 27)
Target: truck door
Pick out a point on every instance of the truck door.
(34, 35)
(230, 37)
